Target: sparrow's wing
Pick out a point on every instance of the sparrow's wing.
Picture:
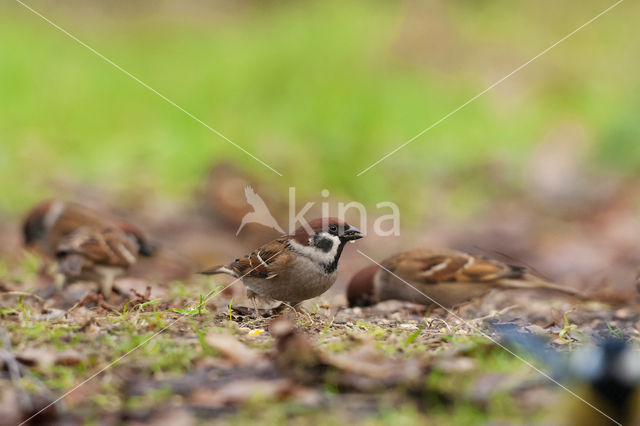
(431, 267)
(268, 261)
(255, 200)
(107, 247)
(73, 217)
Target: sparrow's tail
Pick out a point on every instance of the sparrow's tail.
(532, 282)
(220, 269)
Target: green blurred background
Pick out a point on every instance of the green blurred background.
(317, 90)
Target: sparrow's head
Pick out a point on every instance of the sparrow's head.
(612, 369)
(145, 247)
(37, 222)
(330, 229)
(323, 239)
(360, 291)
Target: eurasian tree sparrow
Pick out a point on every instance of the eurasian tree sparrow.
(447, 277)
(87, 245)
(297, 267)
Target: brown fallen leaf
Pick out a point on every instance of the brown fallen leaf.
(292, 347)
(242, 391)
(46, 357)
(369, 362)
(232, 349)
(364, 369)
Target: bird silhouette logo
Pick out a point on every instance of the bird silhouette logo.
(260, 213)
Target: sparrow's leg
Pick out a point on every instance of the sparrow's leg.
(251, 295)
(106, 284)
(255, 308)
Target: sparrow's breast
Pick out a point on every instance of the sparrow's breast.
(304, 280)
(447, 294)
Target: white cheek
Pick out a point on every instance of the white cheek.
(316, 254)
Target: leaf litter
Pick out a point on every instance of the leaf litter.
(213, 361)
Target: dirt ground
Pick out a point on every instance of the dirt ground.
(173, 347)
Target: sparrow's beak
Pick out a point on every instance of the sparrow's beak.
(147, 249)
(352, 233)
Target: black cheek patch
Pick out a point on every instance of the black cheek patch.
(324, 244)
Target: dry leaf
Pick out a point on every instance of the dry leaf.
(232, 349)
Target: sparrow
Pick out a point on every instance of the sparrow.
(447, 277)
(604, 378)
(87, 245)
(607, 376)
(294, 268)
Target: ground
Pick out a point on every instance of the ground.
(540, 170)
(205, 359)
(174, 346)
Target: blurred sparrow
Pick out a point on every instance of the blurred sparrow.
(48, 223)
(604, 379)
(87, 245)
(447, 277)
(294, 268)
(606, 376)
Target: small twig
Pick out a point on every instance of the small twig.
(496, 313)
(142, 297)
(95, 297)
(431, 320)
(298, 309)
(81, 302)
(24, 294)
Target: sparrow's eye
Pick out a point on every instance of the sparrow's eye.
(333, 228)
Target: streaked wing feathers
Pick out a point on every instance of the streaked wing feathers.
(265, 262)
(431, 266)
(107, 247)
